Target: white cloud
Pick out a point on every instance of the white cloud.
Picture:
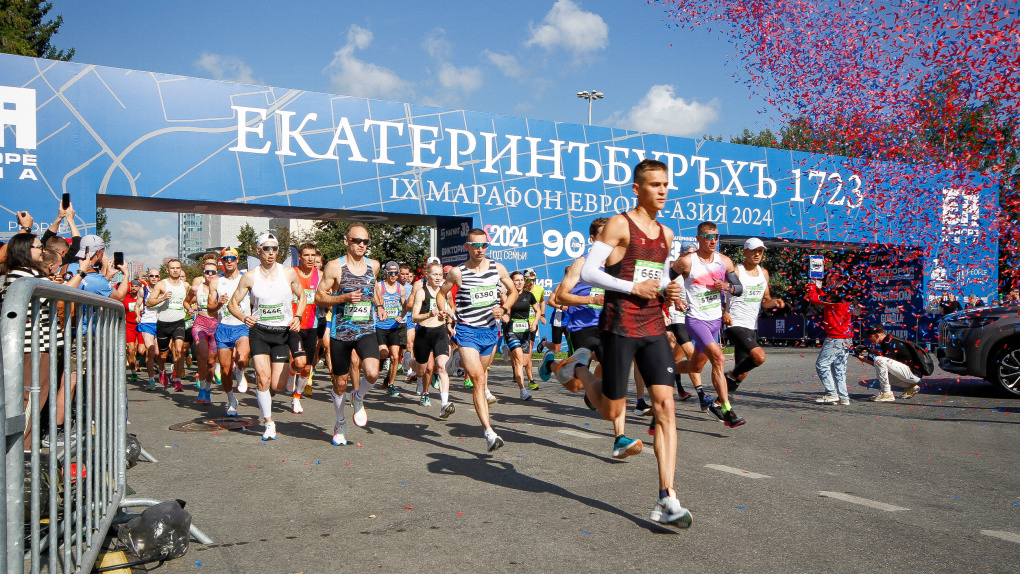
(229, 68)
(463, 80)
(568, 26)
(507, 63)
(353, 77)
(662, 113)
(436, 44)
(136, 239)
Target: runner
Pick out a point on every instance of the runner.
(203, 332)
(534, 316)
(273, 326)
(634, 248)
(301, 364)
(707, 274)
(348, 285)
(432, 345)
(147, 327)
(132, 313)
(391, 332)
(519, 329)
(743, 311)
(478, 318)
(168, 300)
(558, 320)
(232, 343)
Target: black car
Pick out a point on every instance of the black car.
(983, 342)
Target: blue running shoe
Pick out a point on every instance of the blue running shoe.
(625, 447)
(545, 369)
(706, 402)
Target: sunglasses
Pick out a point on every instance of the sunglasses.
(359, 241)
(230, 258)
(393, 272)
(478, 244)
(709, 236)
(270, 248)
(39, 246)
(209, 272)
(156, 276)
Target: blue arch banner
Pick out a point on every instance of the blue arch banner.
(533, 185)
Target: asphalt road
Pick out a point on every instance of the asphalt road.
(931, 484)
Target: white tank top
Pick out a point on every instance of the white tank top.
(703, 302)
(202, 299)
(744, 309)
(148, 313)
(676, 316)
(227, 287)
(173, 308)
(272, 299)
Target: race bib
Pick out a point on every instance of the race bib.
(645, 270)
(175, 303)
(754, 293)
(707, 300)
(309, 296)
(483, 296)
(271, 312)
(520, 326)
(203, 302)
(360, 312)
(392, 312)
(596, 291)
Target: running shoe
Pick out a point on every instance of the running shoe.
(525, 395)
(493, 443)
(308, 387)
(270, 433)
(532, 386)
(164, 379)
(468, 384)
(886, 397)
(132, 376)
(490, 398)
(545, 369)
(425, 402)
(668, 511)
(405, 362)
(706, 402)
(291, 384)
(152, 384)
(588, 404)
(392, 391)
(360, 416)
(684, 395)
(624, 447)
(504, 353)
(827, 399)
(565, 370)
(231, 406)
(201, 397)
(242, 381)
(642, 409)
(418, 390)
(447, 411)
(217, 377)
(731, 382)
(340, 434)
(731, 419)
(453, 365)
(295, 405)
(844, 402)
(716, 411)
(435, 381)
(651, 426)
(910, 392)
(178, 387)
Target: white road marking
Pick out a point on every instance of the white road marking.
(862, 501)
(737, 471)
(580, 434)
(1009, 536)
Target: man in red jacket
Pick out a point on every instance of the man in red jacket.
(836, 320)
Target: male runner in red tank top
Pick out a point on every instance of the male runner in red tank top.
(634, 249)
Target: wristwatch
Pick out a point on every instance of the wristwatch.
(82, 273)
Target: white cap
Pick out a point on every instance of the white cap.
(89, 246)
(754, 243)
(432, 260)
(266, 238)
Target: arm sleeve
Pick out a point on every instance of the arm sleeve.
(733, 279)
(592, 275)
(667, 277)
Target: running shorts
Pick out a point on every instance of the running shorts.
(147, 329)
(703, 333)
(205, 328)
(557, 335)
(169, 331)
(272, 341)
(395, 337)
(228, 335)
(431, 341)
(680, 332)
(367, 347)
(481, 339)
(743, 341)
(304, 342)
(653, 355)
(586, 338)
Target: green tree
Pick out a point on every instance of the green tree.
(24, 33)
(401, 243)
(101, 221)
(764, 138)
(246, 243)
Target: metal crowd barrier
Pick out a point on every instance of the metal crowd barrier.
(75, 482)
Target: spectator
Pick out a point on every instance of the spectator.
(836, 307)
(96, 269)
(55, 243)
(949, 304)
(975, 301)
(894, 358)
(1013, 298)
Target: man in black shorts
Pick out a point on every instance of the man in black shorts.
(391, 332)
(168, 299)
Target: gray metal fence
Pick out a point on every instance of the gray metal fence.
(61, 504)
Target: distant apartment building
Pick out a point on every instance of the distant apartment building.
(189, 234)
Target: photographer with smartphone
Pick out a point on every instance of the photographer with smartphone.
(96, 269)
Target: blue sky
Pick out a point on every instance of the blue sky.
(526, 58)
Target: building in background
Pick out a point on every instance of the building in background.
(222, 230)
(189, 234)
(135, 270)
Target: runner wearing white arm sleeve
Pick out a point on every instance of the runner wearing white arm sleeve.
(593, 273)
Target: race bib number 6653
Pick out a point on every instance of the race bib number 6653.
(645, 270)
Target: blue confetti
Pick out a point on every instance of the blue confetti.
(741, 508)
(585, 424)
(960, 497)
(585, 532)
(198, 563)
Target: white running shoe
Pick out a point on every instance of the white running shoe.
(242, 381)
(489, 397)
(360, 416)
(525, 395)
(828, 399)
(565, 370)
(340, 433)
(668, 511)
(453, 365)
(420, 388)
(270, 433)
(493, 443)
(405, 362)
(231, 406)
(447, 411)
(290, 384)
(295, 405)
